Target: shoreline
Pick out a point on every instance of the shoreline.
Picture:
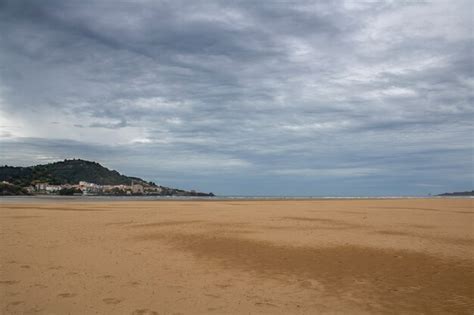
(218, 198)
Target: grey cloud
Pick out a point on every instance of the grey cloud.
(120, 124)
(272, 88)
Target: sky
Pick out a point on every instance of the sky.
(335, 98)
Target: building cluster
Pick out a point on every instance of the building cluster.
(87, 188)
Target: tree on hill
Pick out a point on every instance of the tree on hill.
(65, 172)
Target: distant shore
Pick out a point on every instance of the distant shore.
(33, 198)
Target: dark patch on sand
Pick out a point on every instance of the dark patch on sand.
(391, 232)
(144, 311)
(19, 217)
(165, 223)
(119, 223)
(9, 282)
(384, 277)
(422, 226)
(323, 220)
(315, 224)
(112, 301)
(53, 208)
(425, 209)
(67, 295)
(448, 240)
(402, 208)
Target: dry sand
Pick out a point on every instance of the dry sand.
(237, 257)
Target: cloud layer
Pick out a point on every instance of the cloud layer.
(301, 98)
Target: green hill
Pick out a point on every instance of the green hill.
(459, 194)
(66, 172)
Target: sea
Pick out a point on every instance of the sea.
(39, 198)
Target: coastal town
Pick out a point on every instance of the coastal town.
(87, 188)
(76, 177)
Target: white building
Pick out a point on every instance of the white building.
(41, 186)
(137, 189)
(153, 189)
(53, 188)
(87, 187)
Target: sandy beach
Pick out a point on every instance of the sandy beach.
(395, 256)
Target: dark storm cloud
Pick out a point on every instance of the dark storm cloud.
(240, 94)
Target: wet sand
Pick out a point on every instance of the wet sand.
(405, 256)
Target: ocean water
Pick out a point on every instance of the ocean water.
(49, 198)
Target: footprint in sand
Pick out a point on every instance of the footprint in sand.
(213, 309)
(55, 268)
(16, 303)
(9, 282)
(35, 310)
(144, 311)
(13, 293)
(111, 301)
(310, 284)
(133, 283)
(67, 295)
(264, 304)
